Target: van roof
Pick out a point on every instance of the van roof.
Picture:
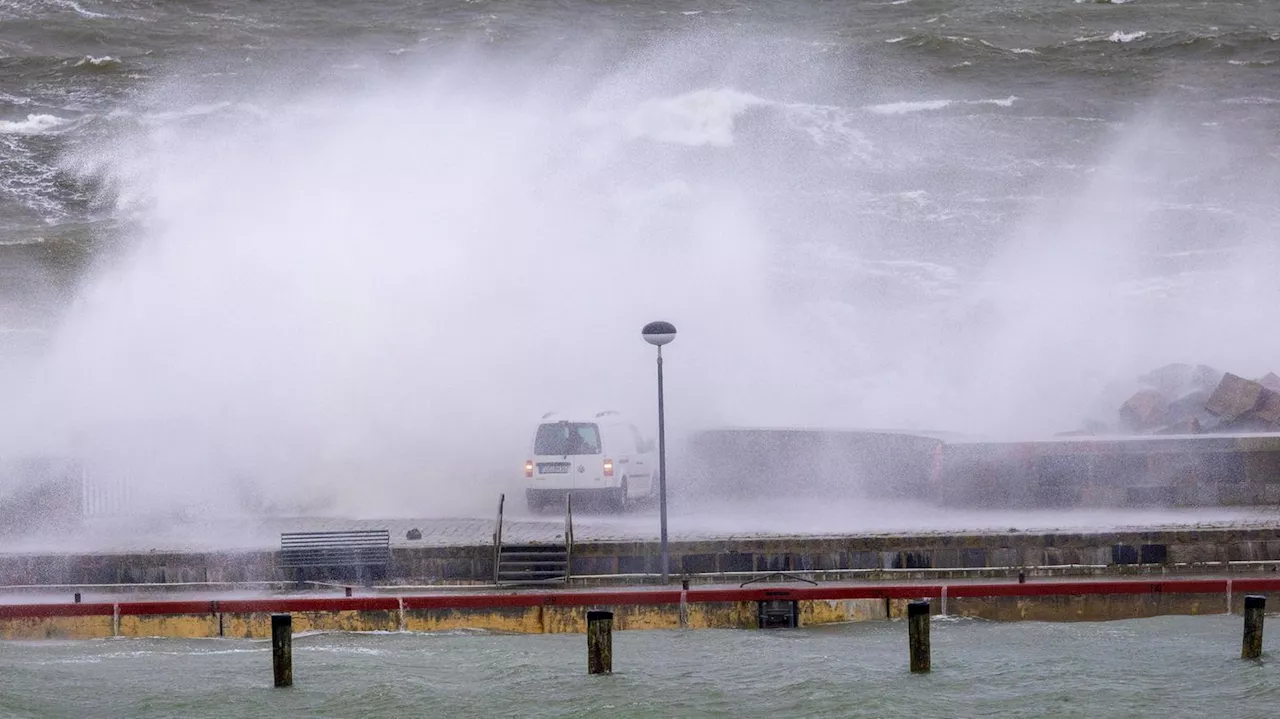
(581, 416)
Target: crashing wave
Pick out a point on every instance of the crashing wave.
(33, 125)
(701, 117)
(99, 62)
(912, 106)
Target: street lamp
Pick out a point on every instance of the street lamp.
(658, 334)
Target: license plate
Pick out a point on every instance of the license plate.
(558, 468)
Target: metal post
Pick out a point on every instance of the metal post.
(918, 635)
(1254, 608)
(662, 472)
(282, 649)
(684, 604)
(599, 642)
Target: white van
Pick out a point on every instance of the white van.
(596, 456)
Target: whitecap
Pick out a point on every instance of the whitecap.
(702, 117)
(910, 106)
(1121, 36)
(1024, 51)
(80, 9)
(903, 108)
(896, 39)
(1252, 100)
(33, 125)
(97, 61)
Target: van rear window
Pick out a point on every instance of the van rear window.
(567, 438)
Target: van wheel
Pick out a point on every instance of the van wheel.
(620, 497)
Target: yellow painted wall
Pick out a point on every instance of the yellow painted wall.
(56, 628)
(182, 626)
(510, 619)
(258, 624)
(556, 619)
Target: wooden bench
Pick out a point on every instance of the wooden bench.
(339, 554)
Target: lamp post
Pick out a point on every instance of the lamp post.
(658, 334)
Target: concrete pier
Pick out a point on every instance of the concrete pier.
(982, 554)
(708, 606)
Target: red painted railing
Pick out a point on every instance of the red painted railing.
(625, 597)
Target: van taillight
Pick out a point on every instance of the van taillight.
(528, 468)
(608, 468)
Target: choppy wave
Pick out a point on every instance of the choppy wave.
(702, 117)
(98, 62)
(1181, 43)
(911, 106)
(1122, 36)
(33, 125)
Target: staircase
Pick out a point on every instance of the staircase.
(532, 563)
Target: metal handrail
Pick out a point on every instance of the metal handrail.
(497, 539)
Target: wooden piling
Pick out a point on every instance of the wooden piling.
(282, 649)
(918, 635)
(77, 597)
(684, 604)
(1254, 608)
(599, 642)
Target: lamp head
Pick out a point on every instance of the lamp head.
(658, 333)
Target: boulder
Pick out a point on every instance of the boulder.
(1269, 407)
(1178, 379)
(1145, 410)
(1234, 398)
(1190, 406)
(1190, 425)
(1271, 381)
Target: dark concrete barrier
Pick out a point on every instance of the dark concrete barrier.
(1173, 471)
(760, 462)
(949, 470)
(996, 554)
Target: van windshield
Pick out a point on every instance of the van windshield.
(567, 438)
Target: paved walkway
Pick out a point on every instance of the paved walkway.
(719, 521)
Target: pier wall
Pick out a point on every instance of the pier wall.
(538, 612)
(925, 555)
(1066, 472)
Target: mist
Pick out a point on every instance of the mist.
(357, 297)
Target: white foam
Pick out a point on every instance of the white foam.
(33, 125)
(910, 106)
(893, 40)
(701, 117)
(1253, 100)
(79, 9)
(1121, 36)
(903, 108)
(97, 61)
(14, 99)
(1024, 51)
